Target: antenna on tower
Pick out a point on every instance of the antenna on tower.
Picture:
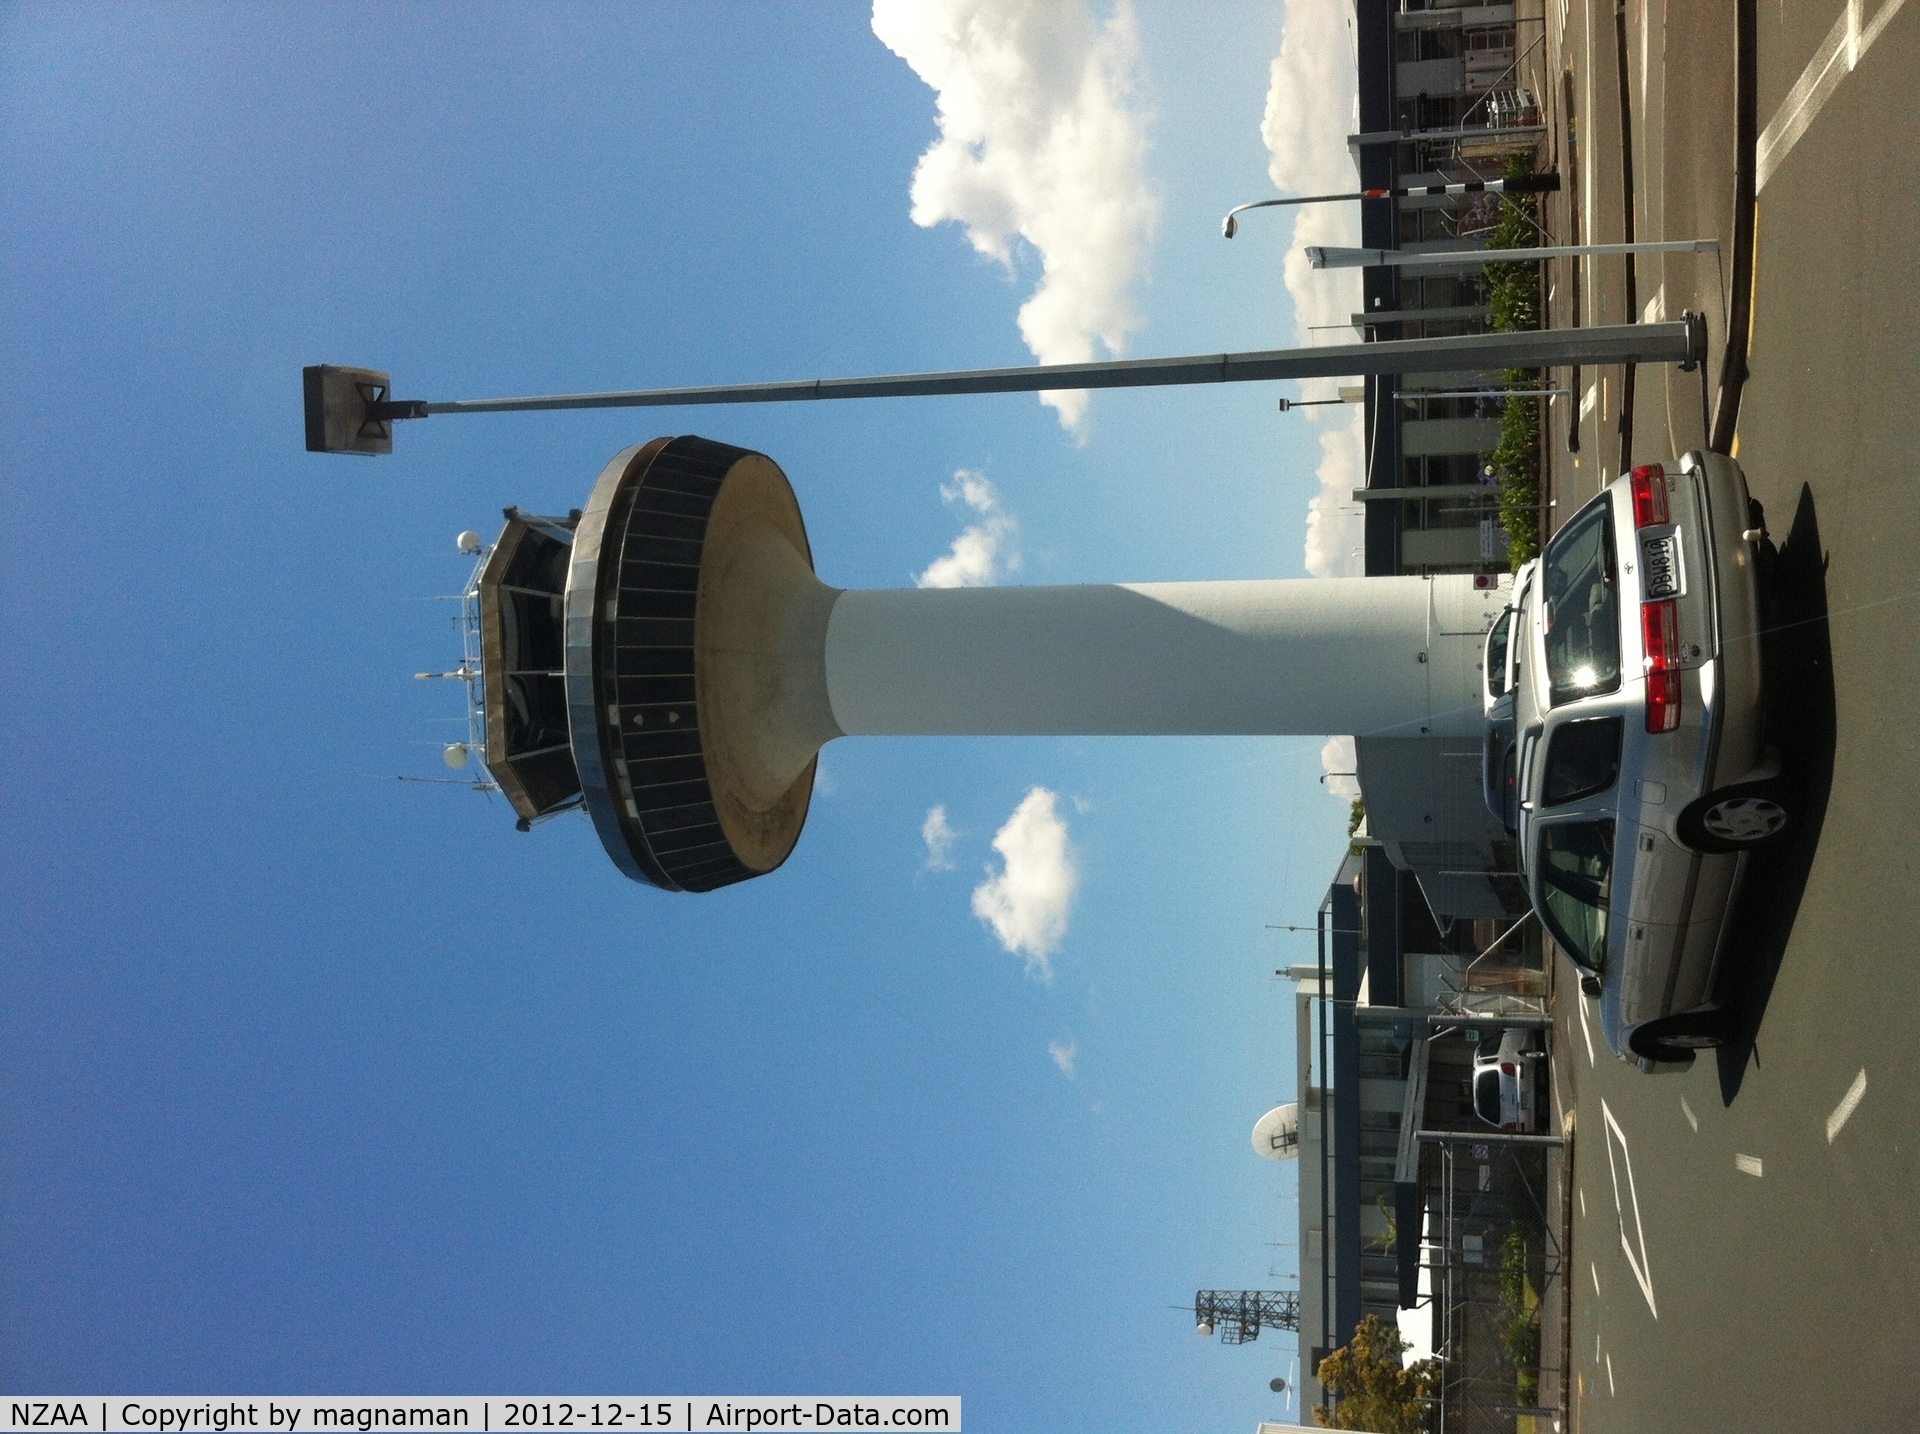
(1288, 1385)
(1276, 1135)
(472, 785)
(460, 755)
(1239, 1315)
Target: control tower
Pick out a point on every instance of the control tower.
(667, 657)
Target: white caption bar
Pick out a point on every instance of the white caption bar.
(627, 1413)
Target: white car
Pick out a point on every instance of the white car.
(1503, 1084)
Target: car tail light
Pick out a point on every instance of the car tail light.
(1660, 629)
(1649, 485)
(1509, 1126)
(1507, 1068)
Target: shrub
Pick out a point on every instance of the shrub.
(1522, 1334)
(1513, 292)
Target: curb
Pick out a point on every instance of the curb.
(1733, 368)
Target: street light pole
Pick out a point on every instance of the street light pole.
(1325, 258)
(1480, 393)
(1520, 184)
(1396, 136)
(350, 410)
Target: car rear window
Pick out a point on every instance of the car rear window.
(1582, 607)
(1486, 1096)
(1583, 759)
(1576, 873)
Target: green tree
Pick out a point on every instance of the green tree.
(1375, 1391)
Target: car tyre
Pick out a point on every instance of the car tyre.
(1676, 1038)
(1736, 819)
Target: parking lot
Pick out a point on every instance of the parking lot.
(1744, 1253)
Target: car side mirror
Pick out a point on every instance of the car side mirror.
(1590, 986)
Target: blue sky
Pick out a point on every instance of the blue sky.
(318, 1082)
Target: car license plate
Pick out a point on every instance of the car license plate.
(1660, 566)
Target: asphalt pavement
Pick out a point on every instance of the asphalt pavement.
(1745, 1251)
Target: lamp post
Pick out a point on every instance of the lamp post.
(1520, 184)
(350, 410)
(1327, 258)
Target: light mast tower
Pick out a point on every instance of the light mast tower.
(667, 657)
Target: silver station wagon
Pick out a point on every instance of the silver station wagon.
(1626, 748)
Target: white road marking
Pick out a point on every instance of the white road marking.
(1637, 1263)
(1849, 1103)
(1588, 399)
(1583, 1203)
(1687, 1111)
(1584, 1031)
(1748, 1165)
(1589, 132)
(1838, 56)
(1595, 1270)
(1610, 1388)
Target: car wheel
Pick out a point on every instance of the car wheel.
(1676, 1038)
(1673, 1057)
(1737, 818)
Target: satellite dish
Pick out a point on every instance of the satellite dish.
(1278, 1386)
(455, 755)
(468, 542)
(1204, 1328)
(1276, 1135)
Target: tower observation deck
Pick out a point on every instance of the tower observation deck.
(668, 658)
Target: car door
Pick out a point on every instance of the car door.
(1661, 892)
(1571, 871)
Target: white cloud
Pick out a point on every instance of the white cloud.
(1336, 532)
(1027, 902)
(1064, 1054)
(939, 836)
(1041, 141)
(1338, 760)
(1311, 108)
(984, 552)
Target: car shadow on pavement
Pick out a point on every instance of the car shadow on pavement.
(1798, 669)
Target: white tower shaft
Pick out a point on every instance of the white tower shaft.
(1372, 656)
